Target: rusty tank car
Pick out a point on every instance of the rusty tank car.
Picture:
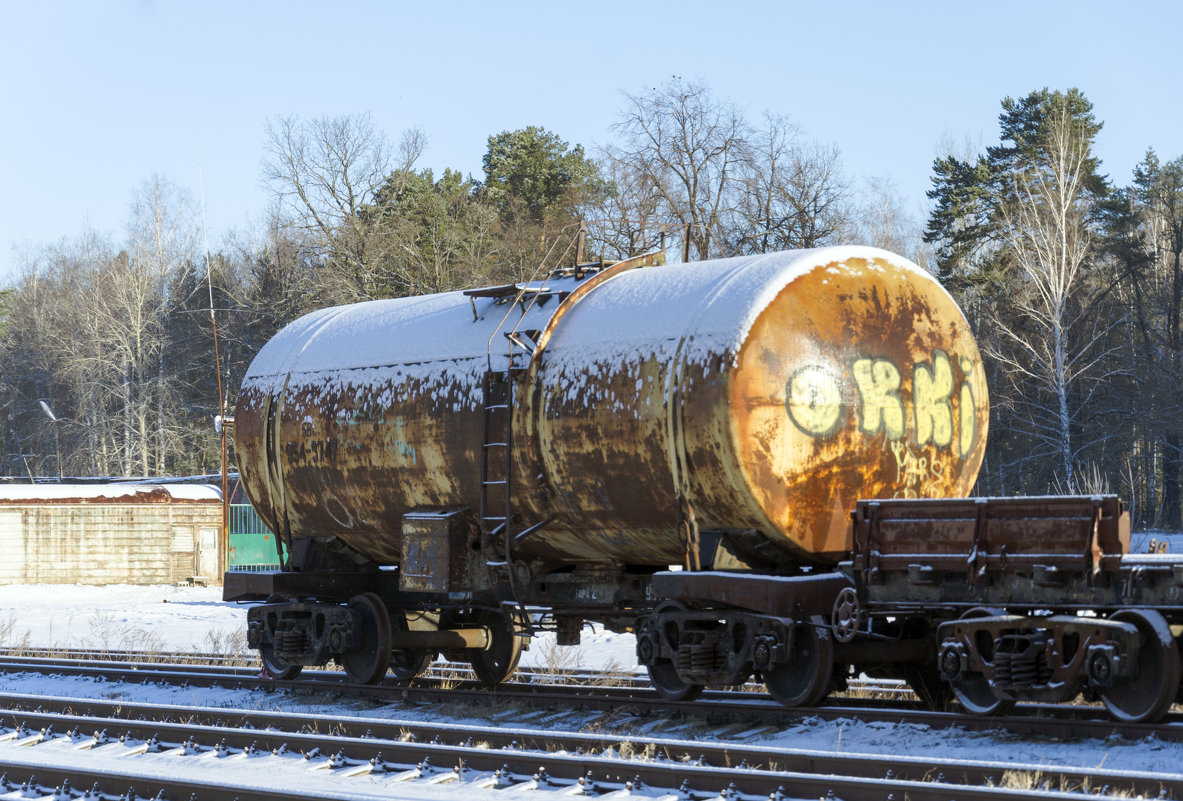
(451, 473)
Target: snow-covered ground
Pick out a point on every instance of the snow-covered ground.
(184, 618)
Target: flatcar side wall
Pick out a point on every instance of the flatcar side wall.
(108, 543)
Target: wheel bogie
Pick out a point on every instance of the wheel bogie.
(982, 660)
(1127, 659)
(685, 650)
(370, 641)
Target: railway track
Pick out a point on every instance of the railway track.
(437, 674)
(574, 691)
(144, 738)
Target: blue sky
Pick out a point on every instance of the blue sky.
(95, 97)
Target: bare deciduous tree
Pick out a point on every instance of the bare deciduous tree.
(793, 194)
(325, 172)
(688, 149)
(1046, 228)
(881, 220)
(690, 162)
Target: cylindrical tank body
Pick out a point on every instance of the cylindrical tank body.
(756, 394)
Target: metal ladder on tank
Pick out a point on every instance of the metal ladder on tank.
(497, 453)
(496, 492)
(496, 501)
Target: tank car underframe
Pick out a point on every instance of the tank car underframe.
(1027, 599)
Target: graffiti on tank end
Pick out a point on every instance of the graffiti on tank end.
(914, 472)
(880, 405)
(813, 398)
(966, 440)
(932, 387)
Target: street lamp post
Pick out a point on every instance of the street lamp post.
(57, 437)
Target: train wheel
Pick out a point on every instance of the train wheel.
(276, 667)
(1146, 696)
(805, 679)
(368, 661)
(410, 665)
(973, 690)
(669, 685)
(407, 665)
(499, 659)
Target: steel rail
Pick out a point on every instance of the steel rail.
(1055, 721)
(437, 670)
(783, 773)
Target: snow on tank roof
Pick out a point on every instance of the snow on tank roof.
(725, 297)
(367, 335)
(108, 493)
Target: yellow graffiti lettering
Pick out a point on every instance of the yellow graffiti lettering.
(878, 383)
(967, 412)
(931, 390)
(966, 440)
(814, 400)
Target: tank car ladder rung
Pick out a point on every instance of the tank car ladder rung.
(496, 511)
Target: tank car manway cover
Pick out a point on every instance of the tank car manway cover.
(762, 393)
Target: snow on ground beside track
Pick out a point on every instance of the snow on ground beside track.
(184, 618)
(181, 618)
(118, 617)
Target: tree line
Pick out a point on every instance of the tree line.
(1074, 286)
(1073, 283)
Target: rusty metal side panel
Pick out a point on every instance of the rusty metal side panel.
(251, 456)
(602, 445)
(976, 537)
(1045, 525)
(358, 457)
